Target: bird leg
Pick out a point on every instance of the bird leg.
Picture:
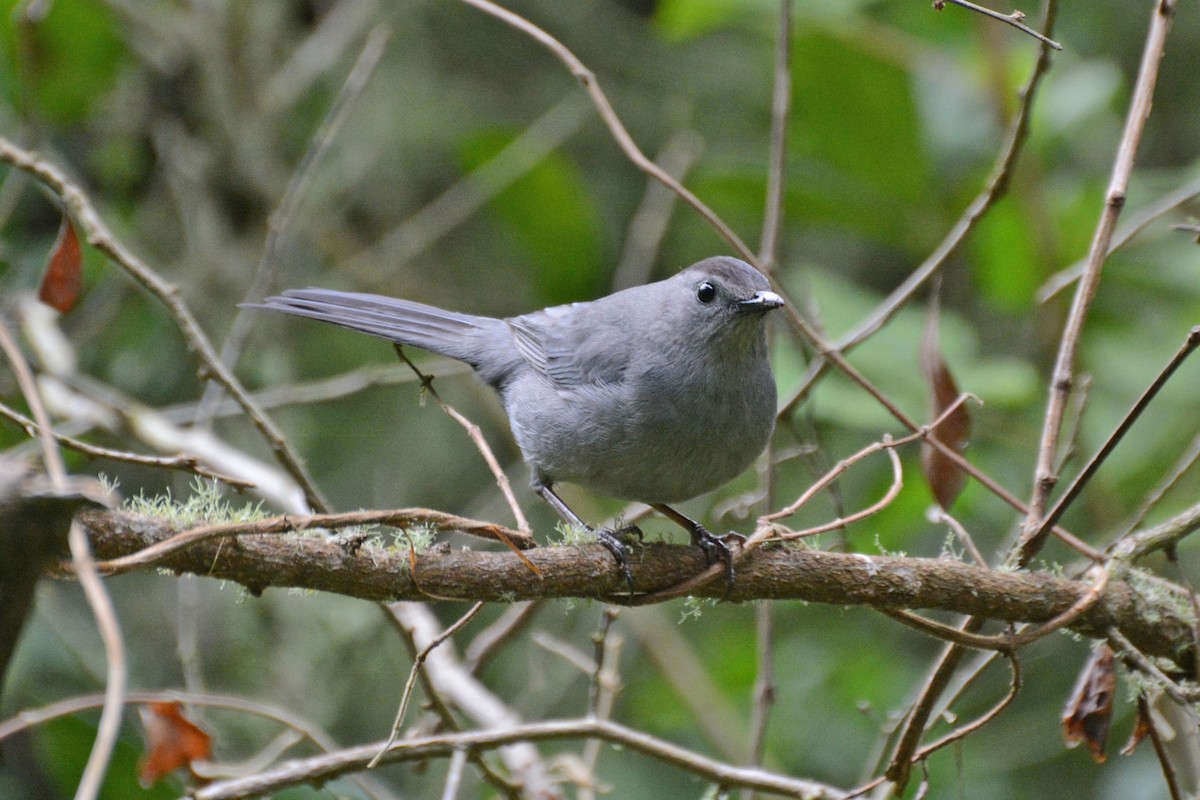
(715, 547)
(610, 539)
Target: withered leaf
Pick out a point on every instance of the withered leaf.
(172, 742)
(63, 279)
(1088, 714)
(943, 476)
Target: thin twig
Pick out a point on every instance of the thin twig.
(488, 641)
(879, 505)
(948, 633)
(29, 718)
(1160, 750)
(399, 518)
(1167, 534)
(1124, 234)
(1032, 542)
(781, 105)
(1032, 535)
(181, 461)
(448, 685)
(1139, 659)
(939, 514)
(649, 222)
(763, 692)
(455, 205)
(586, 77)
(1155, 495)
(319, 769)
(99, 236)
(283, 217)
(93, 588)
(418, 663)
(454, 774)
(476, 436)
(958, 733)
(995, 188)
(1016, 19)
(602, 692)
(887, 443)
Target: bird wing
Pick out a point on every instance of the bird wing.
(560, 343)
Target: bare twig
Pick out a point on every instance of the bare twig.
(454, 774)
(1131, 228)
(1033, 538)
(1160, 750)
(400, 518)
(1016, 19)
(319, 769)
(949, 633)
(958, 733)
(448, 685)
(99, 236)
(1164, 535)
(476, 435)
(93, 588)
(182, 461)
(939, 514)
(455, 205)
(995, 188)
(1130, 651)
(586, 77)
(488, 641)
(283, 217)
(649, 222)
(1032, 535)
(602, 692)
(1184, 463)
(781, 105)
(29, 718)
(417, 665)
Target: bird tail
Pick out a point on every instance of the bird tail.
(402, 321)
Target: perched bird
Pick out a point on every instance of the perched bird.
(656, 393)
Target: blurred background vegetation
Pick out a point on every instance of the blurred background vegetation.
(472, 173)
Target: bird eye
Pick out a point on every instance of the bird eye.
(706, 293)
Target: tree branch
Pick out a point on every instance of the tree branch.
(1153, 614)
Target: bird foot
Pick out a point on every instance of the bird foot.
(718, 548)
(615, 540)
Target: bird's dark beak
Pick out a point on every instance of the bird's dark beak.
(761, 301)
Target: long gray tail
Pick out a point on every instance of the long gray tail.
(460, 336)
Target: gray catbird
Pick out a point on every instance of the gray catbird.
(657, 393)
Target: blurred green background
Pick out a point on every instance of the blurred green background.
(186, 121)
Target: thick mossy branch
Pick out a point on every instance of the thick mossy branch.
(1153, 614)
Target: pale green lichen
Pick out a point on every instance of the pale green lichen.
(693, 608)
(204, 505)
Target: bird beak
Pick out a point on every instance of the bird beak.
(761, 301)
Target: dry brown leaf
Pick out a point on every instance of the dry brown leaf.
(63, 279)
(172, 742)
(944, 477)
(1088, 714)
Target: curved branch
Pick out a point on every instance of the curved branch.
(320, 768)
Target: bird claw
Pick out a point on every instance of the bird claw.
(613, 541)
(718, 548)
